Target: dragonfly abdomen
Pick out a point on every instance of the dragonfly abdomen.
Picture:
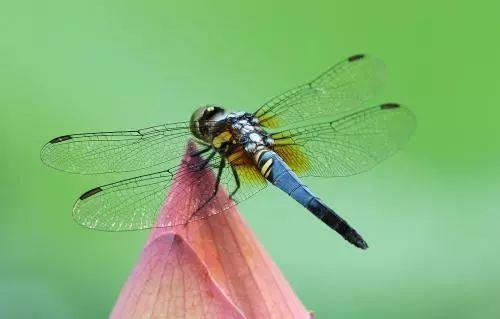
(276, 171)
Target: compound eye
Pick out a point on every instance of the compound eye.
(209, 110)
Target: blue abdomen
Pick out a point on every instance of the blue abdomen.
(276, 171)
(281, 175)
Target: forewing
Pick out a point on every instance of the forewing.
(349, 145)
(122, 151)
(134, 203)
(340, 90)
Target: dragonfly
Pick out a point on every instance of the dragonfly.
(323, 128)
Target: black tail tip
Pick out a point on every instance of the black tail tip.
(361, 244)
(354, 238)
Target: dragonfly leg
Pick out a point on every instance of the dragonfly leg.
(202, 151)
(237, 181)
(219, 176)
(217, 183)
(200, 165)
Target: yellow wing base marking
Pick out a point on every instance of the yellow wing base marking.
(269, 120)
(247, 170)
(292, 154)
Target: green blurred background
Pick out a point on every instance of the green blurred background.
(430, 213)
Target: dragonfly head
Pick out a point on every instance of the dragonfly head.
(204, 119)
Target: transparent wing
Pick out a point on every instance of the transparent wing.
(135, 203)
(340, 90)
(108, 152)
(349, 145)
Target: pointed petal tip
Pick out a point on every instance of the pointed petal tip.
(226, 251)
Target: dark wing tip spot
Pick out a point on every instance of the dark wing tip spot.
(356, 57)
(91, 192)
(60, 139)
(388, 106)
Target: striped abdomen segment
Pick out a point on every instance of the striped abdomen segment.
(276, 171)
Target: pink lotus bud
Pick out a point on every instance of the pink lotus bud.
(213, 268)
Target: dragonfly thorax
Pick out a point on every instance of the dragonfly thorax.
(246, 131)
(215, 126)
